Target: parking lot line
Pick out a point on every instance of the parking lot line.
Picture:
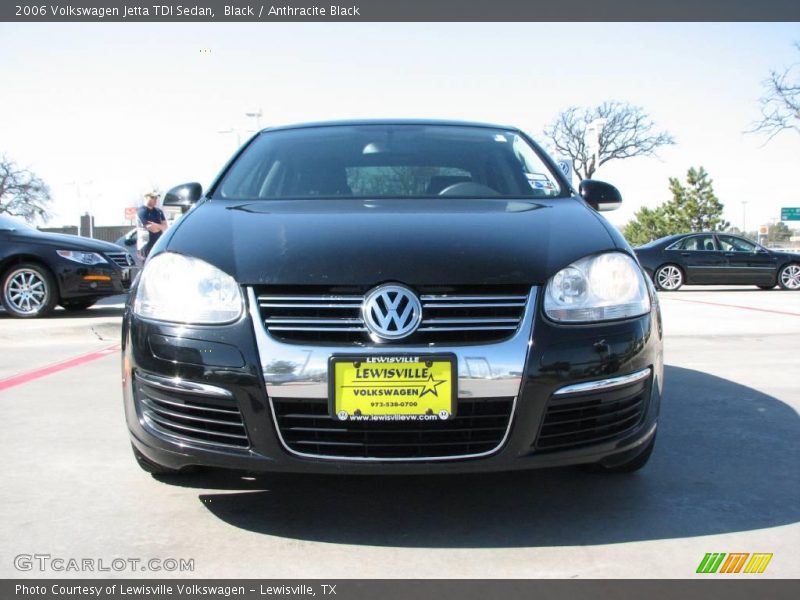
(767, 310)
(56, 367)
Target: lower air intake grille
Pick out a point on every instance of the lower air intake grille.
(449, 315)
(592, 417)
(192, 417)
(479, 427)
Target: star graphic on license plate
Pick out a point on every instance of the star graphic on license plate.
(430, 385)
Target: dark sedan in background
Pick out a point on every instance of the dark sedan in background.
(41, 270)
(392, 297)
(717, 259)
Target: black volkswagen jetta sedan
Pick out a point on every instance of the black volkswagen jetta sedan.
(40, 270)
(392, 297)
(715, 258)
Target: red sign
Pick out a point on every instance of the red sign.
(130, 213)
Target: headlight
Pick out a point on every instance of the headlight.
(182, 289)
(597, 288)
(79, 256)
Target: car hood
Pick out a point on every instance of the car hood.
(366, 242)
(66, 241)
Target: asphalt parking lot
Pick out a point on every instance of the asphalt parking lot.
(724, 476)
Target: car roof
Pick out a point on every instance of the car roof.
(356, 122)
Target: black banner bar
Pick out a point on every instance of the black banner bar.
(400, 589)
(397, 10)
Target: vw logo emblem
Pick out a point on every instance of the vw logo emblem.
(391, 312)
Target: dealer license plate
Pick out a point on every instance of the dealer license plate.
(393, 387)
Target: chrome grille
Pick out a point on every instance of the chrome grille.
(452, 316)
(123, 259)
(191, 417)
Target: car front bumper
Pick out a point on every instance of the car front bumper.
(77, 281)
(582, 394)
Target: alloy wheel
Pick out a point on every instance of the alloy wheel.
(790, 277)
(26, 291)
(669, 278)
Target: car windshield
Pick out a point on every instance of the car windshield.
(397, 161)
(9, 223)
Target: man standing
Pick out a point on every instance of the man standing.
(151, 223)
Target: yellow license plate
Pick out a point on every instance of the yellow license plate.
(393, 387)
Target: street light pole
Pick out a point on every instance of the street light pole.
(257, 116)
(77, 185)
(744, 217)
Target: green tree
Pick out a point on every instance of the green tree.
(779, 232)
(693, 207)
(647, 224)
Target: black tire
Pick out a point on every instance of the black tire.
(669, 278)
(76, 304)
(154, 468)
(28, 290)
(766, 287)
(636, 463)
(789, 277)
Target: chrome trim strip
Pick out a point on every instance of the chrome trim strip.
(603, 384)
(176, 384)
(312, 321)
(491, 370)
(224, 411)
(321, 298)
(468, 321)
(467, 328)
(152, 405)
(297, 305)
(456, 297)
(164, 422)
(186, 440)
(772, 268)
(305, 328)
(452, 304)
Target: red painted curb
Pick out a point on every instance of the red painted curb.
(55, 368)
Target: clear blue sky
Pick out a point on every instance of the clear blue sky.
(131, 106)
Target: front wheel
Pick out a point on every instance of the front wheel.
(789, 277)
(29, 291)
(668, 278)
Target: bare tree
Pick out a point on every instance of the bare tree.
(780, 104)
(22, 193)
(622, 131)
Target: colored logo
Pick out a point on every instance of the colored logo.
(734, 562)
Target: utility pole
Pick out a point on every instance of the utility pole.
(744, 217)
(257, 116)
(78, 185)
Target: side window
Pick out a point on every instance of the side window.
(732, 244)
(695, 243)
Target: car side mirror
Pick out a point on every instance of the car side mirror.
(130, 241)
(600, 195)
(184, 196)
